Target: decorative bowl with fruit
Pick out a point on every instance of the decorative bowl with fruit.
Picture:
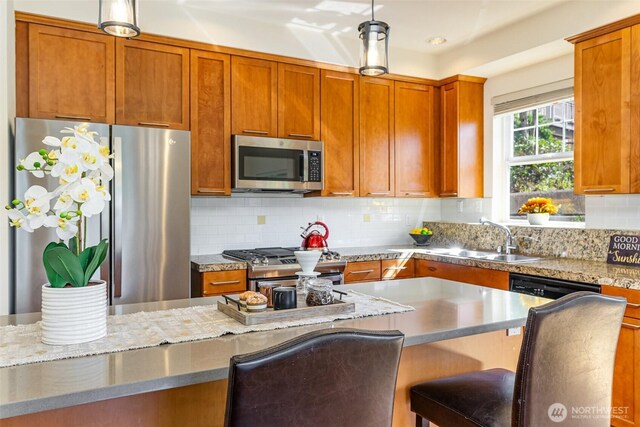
(421, 236)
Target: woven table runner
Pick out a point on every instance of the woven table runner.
(21, 344)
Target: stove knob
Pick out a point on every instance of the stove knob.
(265, 261)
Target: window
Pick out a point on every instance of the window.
(539, 158)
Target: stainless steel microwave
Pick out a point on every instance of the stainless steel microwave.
(262, 164)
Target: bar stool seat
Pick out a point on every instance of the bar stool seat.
(480, 398)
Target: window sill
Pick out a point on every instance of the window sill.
(550, 224)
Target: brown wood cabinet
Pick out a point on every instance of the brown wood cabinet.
(152, 84)
(71, 74)
(462, 273)
(377, 161)
(340, 133)
(397, 268)
(298, 102)
(462, 131)
(362, 271)
(254, 95)
(414, 150)
(213, 283)
(626, 374)
(210, 123)
(602, 114)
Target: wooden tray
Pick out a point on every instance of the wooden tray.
(270, 315)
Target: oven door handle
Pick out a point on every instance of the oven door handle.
(302, 159)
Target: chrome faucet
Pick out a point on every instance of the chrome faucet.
(509, 246)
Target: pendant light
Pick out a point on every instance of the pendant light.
(374, 47)
(119, 18)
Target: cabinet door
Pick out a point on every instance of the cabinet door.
(298, 102)
(449, 151)
(461, 273)
(254, 92)
(340, 133)
(397, 268)
(635, 111)
(602, 109)
(210, 123)
(626, 376)
(152, 84)
(414, 151)
(71, 74)
(376, 137)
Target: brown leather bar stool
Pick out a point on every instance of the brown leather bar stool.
(566, 362)
(331, 377)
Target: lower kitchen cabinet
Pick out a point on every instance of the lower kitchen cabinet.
(371, 271)
(626, 374)
(462, 273)
(212, 283)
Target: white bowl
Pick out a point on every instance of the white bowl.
(308, 260)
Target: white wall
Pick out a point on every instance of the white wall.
(7, 112)
(232, 223)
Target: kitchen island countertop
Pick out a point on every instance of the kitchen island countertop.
(443, 310)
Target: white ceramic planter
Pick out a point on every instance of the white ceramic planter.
(538, 218)
(74, 315)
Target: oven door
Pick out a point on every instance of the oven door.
(337, 279)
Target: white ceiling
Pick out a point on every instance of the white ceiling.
(412, 21)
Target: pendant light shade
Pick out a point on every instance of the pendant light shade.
(374, 47)
(119, 18)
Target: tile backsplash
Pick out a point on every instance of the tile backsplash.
(248, 222)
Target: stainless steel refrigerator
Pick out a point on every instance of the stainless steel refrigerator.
(147, 222)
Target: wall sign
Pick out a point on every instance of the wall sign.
(624, 249)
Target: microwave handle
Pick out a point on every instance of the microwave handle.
(302, 158)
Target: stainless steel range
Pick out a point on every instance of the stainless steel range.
(279, 264)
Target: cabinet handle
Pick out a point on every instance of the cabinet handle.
(61, 116)
(259, 132)
(599, 190)
(301, 135)
(162, 125)
(341, 193)
(431, 268)
(380, 193)
(228, 282)
(361, 272)
(448, 194)
(630, 326)
(633, 305)
(415, 194)
(209, 190)
(395, 268)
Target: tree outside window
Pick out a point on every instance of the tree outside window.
(540, 158)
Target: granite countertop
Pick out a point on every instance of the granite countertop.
(438, 303)
(577, 270)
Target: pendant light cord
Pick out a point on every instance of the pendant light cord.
(372, 17)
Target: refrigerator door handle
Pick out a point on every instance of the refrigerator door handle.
(117, 218)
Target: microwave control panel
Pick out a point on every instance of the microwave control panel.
(315, 166)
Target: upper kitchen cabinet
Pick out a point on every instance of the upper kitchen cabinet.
(377, 137)
(414, 148)
(210, 123)
(461, 163)
(298, 102)
(254, 94)
(603, 113)
(340, 133)
(152, 84)
(70, 74)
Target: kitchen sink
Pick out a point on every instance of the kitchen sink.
(486, 255)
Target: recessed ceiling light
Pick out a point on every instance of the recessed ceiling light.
(435, 41)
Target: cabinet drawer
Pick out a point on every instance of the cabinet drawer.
(397, 268)
(224, 282)
(462, 273)
(364, 271)
(632, 296)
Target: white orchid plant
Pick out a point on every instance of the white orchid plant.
(81, 163)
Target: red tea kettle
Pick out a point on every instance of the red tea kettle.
(312, 239)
